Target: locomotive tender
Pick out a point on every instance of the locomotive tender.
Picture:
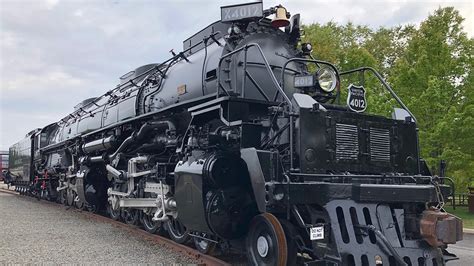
(241, 142)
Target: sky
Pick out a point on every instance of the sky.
(56, 53)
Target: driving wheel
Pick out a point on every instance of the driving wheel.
(62, 197)
(149, 225)
(130, 216)
(77, 202)
(114, 214)
(69, 197)
(177, 231)
(266, 242)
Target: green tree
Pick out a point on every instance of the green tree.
(434, 77)
(430, 68)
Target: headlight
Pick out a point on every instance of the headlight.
(327, 79)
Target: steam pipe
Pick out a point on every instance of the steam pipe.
(124, 145)
(116, 173)
(96, 159)
(140, 135)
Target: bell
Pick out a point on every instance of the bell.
(280, 19)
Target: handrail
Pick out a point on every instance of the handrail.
(267, 66)
(385, 84)
(375, 72)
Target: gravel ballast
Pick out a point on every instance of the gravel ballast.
(37, 232)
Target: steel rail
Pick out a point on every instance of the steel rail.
(202, 259)
(168, 243)
(7, 191)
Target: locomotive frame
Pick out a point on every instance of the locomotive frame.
(210, 146)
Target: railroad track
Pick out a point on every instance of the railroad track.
(189, 252)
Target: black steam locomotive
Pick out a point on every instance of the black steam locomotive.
(241, 142)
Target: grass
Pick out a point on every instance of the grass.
(464, 214)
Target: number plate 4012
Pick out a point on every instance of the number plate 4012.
(356, 100)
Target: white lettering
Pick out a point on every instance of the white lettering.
(226, 13)
(255, 12)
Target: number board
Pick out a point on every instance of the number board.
(356, 100)
(243, 11)
(304, 81)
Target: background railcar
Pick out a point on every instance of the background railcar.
(21, 160)
(3, 164)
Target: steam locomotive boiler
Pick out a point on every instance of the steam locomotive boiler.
(241, 142)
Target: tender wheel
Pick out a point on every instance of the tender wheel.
(37, 194)
(177, 231)
(204, 246)
(45, 194)
(149, 225)
(266, 241)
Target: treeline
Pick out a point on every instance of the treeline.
(428, 65)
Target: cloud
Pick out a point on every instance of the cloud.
(54, 54)
(78, 13)
(50, 4)
(43, 81)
